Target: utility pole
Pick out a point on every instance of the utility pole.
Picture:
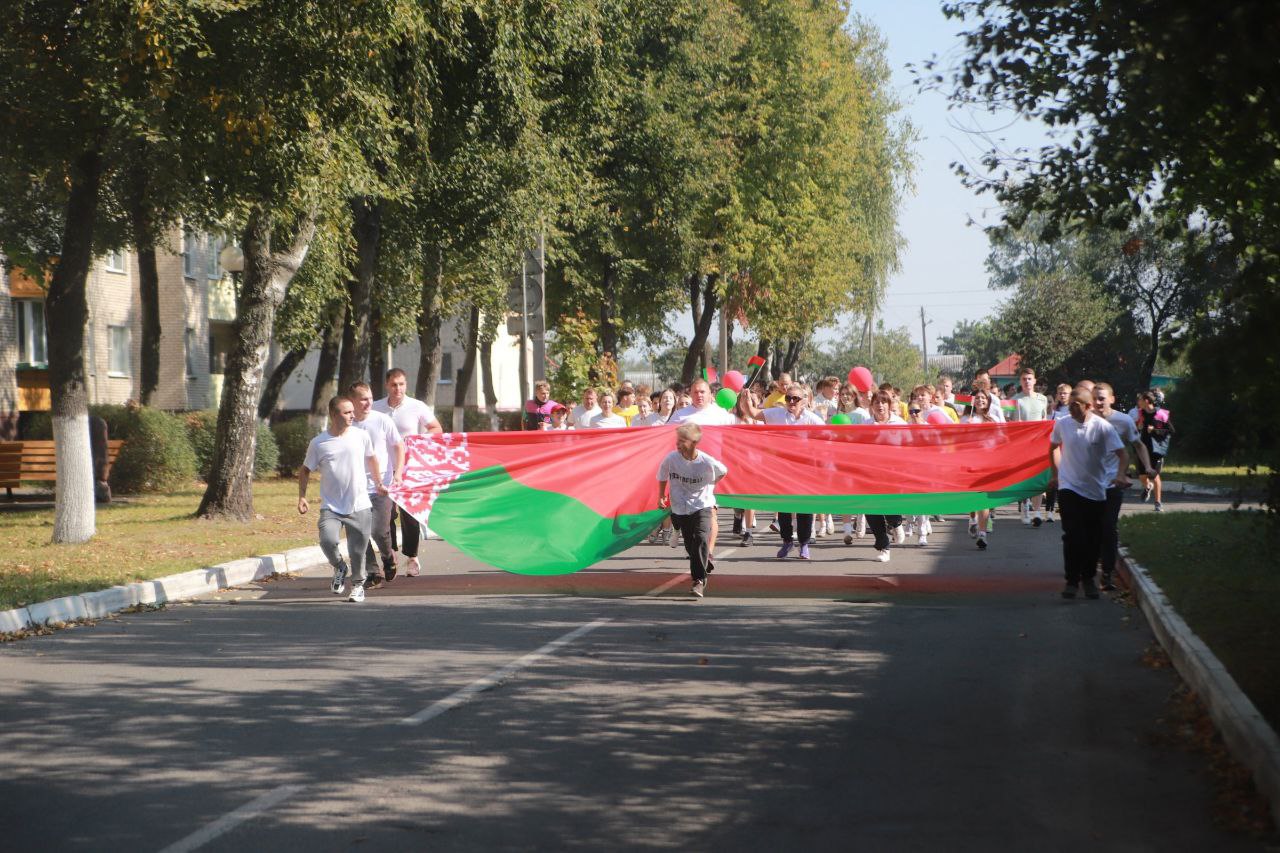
(924, 344)
(724, 341)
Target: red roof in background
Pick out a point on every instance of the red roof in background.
(1008, 367)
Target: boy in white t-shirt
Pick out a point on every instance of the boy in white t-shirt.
(1079, 451)
(691, 476)
(388, 446)
(341, 454)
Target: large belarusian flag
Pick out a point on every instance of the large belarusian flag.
(549, 503)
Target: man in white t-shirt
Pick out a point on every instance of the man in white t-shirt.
(1030, 405)
(607, 417)
(1079, 447)
(586, 410)
(388, 446)
(1103, 400)
(412, 417)
(691, 476)
(702, 409)
(793, 412)
(342, 455)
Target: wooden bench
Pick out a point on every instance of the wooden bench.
(35, 461)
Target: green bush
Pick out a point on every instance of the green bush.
(38, 426)
(291, 438)
(266, 456)
(202, 429)
(157, 455)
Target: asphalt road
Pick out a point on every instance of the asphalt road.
(947, 700)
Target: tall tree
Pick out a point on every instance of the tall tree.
(82, 84)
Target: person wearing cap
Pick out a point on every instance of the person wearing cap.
(559, 418)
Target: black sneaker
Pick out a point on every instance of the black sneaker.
(1069, 591)
(374, 581)
(746, 539)
(1108, 585)
(389, 571)
(1037, 521)
(339, 579)
(737, 524)
(1090, 588)
(982, 543)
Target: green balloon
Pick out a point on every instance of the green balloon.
(726, 398)
(841, 418)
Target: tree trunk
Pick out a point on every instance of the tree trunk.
(276, 381)
(429, 319)
(266, 279)
(468, 371)
(794, 348)
(1149, 360)
(377, 353)
(66, 313)
(486, 381)
(325, 385)
(367, 230)
(148, 283)
(703, 300)
(608, 309)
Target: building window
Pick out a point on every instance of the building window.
(212, 269)
(446, 367)
(118, 341)
(191, 353)
(32, 350)
(190, 248)
(115, 261)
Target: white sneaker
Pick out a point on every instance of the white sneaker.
(357, 593)
(924, 539)
(973, 529)
(831, 527)
(926, 526)
(673, 539)
(861, 529)
(819, 530)
(883, 556)
(899, 535)
(699, 588)
(411, 567)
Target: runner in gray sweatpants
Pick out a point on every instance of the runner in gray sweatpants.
(341, 455)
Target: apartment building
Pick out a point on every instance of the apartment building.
(197, 312)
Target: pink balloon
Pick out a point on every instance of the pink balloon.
(734, 380)
(936, 416)
(862, 379)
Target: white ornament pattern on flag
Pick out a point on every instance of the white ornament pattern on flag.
(431, 463)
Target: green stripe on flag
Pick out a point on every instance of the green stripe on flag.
(503, 522)
(891, 504)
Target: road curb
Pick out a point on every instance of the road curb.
(1245, 731)
(179, 587)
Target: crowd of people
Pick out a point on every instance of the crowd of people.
(1143, 434)
(361, 454)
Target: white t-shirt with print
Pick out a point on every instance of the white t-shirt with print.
(384, 436)
(651, 419)
(1085, 448)
(691, 482)
(341, 461)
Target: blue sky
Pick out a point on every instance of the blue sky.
(942, 264)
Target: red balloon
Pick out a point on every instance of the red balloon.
(862, 379)
(937, 416)
(734, 380)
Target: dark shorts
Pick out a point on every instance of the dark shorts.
(1157, 462)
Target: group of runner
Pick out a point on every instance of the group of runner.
(361, 453)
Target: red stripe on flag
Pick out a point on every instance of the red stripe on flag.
(756, 360)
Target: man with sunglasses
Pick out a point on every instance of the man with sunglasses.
(793, 412)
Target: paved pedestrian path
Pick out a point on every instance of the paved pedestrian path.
(945, 700)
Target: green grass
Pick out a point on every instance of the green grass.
(1221, 571)
(141, 539)
(1217, 474)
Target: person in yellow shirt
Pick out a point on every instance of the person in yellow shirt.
(778, 391)
(626, 405)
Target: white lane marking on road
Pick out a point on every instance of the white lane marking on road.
(499, 675)
(663, 587)
(231, 820)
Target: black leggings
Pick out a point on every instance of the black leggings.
(880, 526)
(410, 531)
